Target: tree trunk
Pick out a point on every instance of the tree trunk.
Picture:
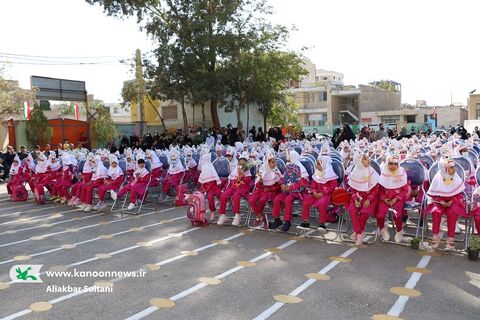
(203, 114)
(265, 115)
(239, 119)
(212, 63)
(184, 115)
(158, 113)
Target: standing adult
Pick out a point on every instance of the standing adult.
(381, 132)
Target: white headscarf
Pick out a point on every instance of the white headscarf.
(208, 171)
(443, 184)
(269, 176)
(53, 166)
(361, 178)
(327, 173)
(392, 180)
(154, 160)
(112, 172)
(14, 167)
(100, 171)
(295, 158)
(176, 165)
(41, 164)
(87, 168)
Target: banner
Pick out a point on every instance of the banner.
(77, 112)
(26, 110)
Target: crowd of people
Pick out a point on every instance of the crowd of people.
(72, 175)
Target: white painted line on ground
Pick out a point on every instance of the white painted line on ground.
(120, 251)
(399, 305)
(200, 286)
(81, 228)
(276, 306)
(13, 205)
(38, 218)
(90, 240)
(60, 222)
(26, 211)
(81, 292)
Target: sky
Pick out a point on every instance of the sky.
(431, 47)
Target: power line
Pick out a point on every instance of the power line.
(62, 64)
(53, 57)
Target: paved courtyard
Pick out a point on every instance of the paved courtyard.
(182, 272)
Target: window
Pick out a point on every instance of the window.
(323, 96)
(325, 78)
(169, 112)
(411, 118)
(478, 110)
(390, 119)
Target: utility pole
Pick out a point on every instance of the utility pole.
(141, 90)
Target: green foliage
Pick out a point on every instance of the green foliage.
(12, 96)
(284, 112)
(207, 49)
(38, 130)
(385, 85)
(102, 128)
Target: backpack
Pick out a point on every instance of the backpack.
(292, 175)
(196, 208)
(181, 192)
(19, 193)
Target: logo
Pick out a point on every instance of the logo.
(26, 273)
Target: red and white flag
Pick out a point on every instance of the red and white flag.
(434, 113)
(27, 110)
(77, 112)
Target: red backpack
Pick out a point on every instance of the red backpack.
(196, 209)
(19, 193)
(181, 192)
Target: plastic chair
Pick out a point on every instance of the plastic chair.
(280, 165)
(309, 166)
(222, 166)
(427, 161)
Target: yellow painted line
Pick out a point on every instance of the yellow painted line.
(41, 306)
(402, 291)
(287, 299)
(162, 303)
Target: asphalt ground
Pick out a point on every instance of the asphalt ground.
(218, 272)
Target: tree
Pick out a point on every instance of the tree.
(271, 82)
(130, 95)
(200, 31)
(38, 130)
(102, 128)
(388, 85)
(284, 113)
(12, 96)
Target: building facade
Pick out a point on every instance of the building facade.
(474, 105)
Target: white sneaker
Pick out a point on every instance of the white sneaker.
(82, 206)
(353, 236)
(385, 234)
(103, 206)
(113, 195)
(236, 220)
(359, 240)
(399, 236)
(222, 219)
(131, 206)
(87, 208)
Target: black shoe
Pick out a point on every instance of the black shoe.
(305, 224)
(322, 226)
(286, 226)
(404, 219)
(275, 224)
